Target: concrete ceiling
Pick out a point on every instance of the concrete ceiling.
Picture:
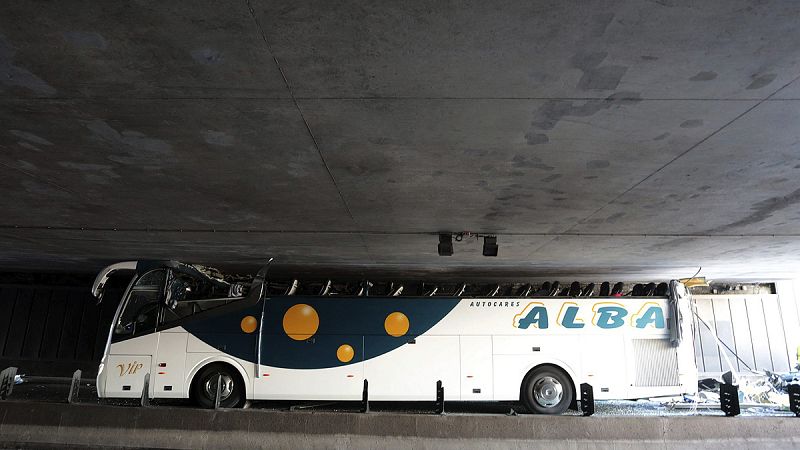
(633, 138)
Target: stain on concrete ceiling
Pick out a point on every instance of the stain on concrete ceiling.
(622, 137)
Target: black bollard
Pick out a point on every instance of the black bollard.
(7, 382)
(439, 397)
(146, 391)
(729, 399)
(365, 398)
(587, 399)
(74, 387)
(218, 393)
(794, 399)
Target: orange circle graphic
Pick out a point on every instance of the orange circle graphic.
(345, 353)
(300, 322)
(249, 324)
(396, 324)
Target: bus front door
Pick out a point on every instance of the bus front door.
(134, 338)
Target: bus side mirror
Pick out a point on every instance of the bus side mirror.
(102, 277)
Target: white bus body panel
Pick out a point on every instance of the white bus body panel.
(478, 350)
(411, 371)
(333, 383)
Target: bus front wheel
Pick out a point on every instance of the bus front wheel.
(204, 388)
(547, 390)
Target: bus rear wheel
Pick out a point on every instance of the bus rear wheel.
(547, 390)
(204, 388)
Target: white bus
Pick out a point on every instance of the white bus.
(187, 328)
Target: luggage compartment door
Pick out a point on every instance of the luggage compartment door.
(476, 368)
(169, 369)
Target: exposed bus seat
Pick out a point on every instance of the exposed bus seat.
(574, 289)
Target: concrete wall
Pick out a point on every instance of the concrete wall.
(49, 425)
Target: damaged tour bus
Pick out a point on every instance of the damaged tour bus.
(191, 330)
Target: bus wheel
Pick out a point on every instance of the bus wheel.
(547, 390)
(204, 388)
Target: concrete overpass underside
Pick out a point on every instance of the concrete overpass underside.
(639, 139)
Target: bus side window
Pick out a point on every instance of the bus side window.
(141, 309)
(187, 296)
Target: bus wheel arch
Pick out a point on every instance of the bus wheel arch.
(202, 388)
(557, 386)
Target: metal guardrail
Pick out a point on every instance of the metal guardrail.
(8, 380)
(729, 393)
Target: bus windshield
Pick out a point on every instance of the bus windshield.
(172, 292)
(141, 309)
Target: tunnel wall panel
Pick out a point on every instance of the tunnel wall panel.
(54, 330)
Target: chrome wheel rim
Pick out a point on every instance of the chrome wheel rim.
(548, 392)
(226, 387)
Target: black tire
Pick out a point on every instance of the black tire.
(204, 386)
(548, 380)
